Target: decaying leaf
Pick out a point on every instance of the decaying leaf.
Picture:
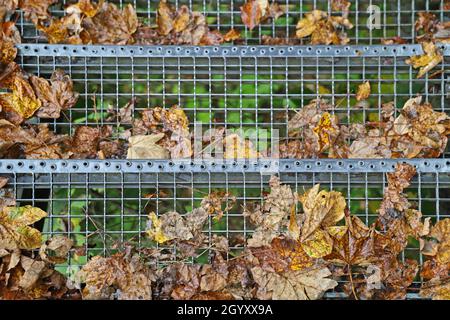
(172, 226)
(145, 147)
(86, 140)
(427, 61)
(269, 217)
(15, 232)
(212, 203)
(323, 29)
(56, 249)
(363, 91)
(121, 276)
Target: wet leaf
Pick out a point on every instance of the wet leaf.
(15, 232)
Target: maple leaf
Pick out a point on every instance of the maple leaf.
(22, 101)
(324, 130)
(427, 61)
(55, 96)
(363, 91)
(322, 209)
(15, 232)
(121, 276)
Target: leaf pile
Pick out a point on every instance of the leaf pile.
(22, 274)
(417, 132)
(88, 22)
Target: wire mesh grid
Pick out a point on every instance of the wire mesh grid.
(396, 18)
(102, 208)
(249, 88)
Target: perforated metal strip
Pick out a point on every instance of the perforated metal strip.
(179, 166)
(214, 51)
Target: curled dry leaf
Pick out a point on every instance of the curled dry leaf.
(323, 29)
(269, 217)
(427, 61)
(172, 226)
(121, 276)
(55, 249)
(363, 91)
(212, 203)
(15, 232)
(253, 12)
(145, 147)
(36, 10)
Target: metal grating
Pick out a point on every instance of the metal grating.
(103, 204)
(248, 88)
(397, 17)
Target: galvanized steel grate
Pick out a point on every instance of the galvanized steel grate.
(100, 204)
(397, 17)
(249, 88)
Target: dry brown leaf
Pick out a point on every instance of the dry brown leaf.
(15, 232)
(427, 61)
(55, 249)
(55, 96)
(306, 284)
(36, 10)
(85, 141)
(323, 29)
(238, 148)
(121, 276)
(269, 217)
(232, 35)
(213, 202)
(363, 91)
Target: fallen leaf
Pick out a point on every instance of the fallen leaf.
(238, 148)
(427, 61)
(122, 277)
(55, 96)
(306, 284)
(232, 35)
(15, 232)
(56, 249)
(36, 10)
(145, 147)
(363, 91)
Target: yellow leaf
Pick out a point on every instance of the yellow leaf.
(15, 231)
(294, 229)
(322, 209)
(323, 130)
(155, 232)
(22, 99)
(238, 148)
(427, 61)
(363, 91)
